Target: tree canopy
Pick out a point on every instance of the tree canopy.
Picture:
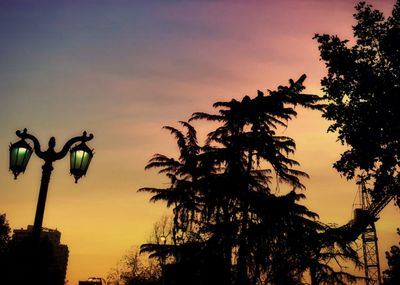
(4, 233)
(391, 276)
(362, 88)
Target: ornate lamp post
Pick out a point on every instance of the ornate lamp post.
(21, 151)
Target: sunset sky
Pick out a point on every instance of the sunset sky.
(123, 69)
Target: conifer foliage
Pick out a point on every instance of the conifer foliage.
(229, 225)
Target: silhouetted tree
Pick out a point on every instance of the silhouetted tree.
(184, 195)
(162, 231)
(329, 251)
(4, 234)
(246, 140)
(183, 173)
(135, 269)
(4, 243)
(391, 276)
(362, 88)
(228, 225)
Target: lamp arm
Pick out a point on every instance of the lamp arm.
(69, 143)
(36, 145)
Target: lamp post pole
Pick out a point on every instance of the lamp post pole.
(163, 238)
(47, 168)
(49, 156)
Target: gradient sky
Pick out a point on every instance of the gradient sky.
(123, 69)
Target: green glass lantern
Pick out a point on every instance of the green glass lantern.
(80, 156)
(20, 152)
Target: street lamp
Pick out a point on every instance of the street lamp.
(21, 151)
(163, 239)
(80, 157)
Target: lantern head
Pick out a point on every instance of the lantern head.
(163, 239)
(80, 156)
(20, 152)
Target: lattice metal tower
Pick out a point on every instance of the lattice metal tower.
(370, 243)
